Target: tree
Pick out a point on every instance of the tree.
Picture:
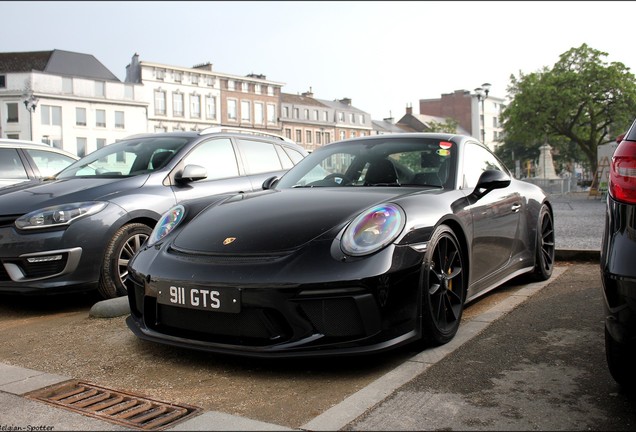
(450, 125)
(577, 105)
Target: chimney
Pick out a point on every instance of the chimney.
(346, 101)
(203, 66)
(309, 93)
(409, 109)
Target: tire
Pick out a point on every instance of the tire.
(443, 283)
(544, 253)
(621, 359)
(121, 248)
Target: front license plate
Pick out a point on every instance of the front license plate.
(223, 299)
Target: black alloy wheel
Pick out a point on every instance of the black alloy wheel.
(124, 244)
(545, 245)
(443, 287)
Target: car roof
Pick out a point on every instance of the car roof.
(13, 143)
(224, 131)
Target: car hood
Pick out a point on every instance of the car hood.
(276, 220)
(25, 197)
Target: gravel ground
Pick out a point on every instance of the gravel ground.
(579, 220)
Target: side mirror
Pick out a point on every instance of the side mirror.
(191, 173)
(489, 180)
(270, 183)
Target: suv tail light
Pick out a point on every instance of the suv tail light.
(622, 177)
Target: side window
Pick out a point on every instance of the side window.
(295, 156)
(259, 156)
(11, 166)
(477, 160)
(49, 163)
(217, 156)
(284, 158)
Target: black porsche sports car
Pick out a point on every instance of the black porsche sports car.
(365, 245)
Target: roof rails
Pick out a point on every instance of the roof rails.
(216, 129)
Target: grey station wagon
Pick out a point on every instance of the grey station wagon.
(77, 231)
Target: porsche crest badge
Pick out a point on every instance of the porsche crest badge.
(228, 240)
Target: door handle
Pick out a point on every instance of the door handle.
(515, 208)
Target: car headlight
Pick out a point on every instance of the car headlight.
(168, 222)
(59, 215)
(373, 229)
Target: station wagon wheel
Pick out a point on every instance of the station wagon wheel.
(545, 246)
(443, 287)
(126, 241)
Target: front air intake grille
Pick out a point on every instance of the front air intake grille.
(126, 409)
(336, 317)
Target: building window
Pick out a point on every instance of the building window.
(246, 111)
(177, 104)
(160, 102)
(271, 113)
(296, 113)
(299, 136)
(231, 85)
(245, 87)
(353, 134)
(160, 129)
(3, 81)
(195, 106)
(210, 106)
(100, 142)
(80, 116)
(67, 85)
(257, 89)
(119, 120)
(352, 117)
(178, 76)
(160, 74)
(100, 89)
(342, 135)
(231, 109)
(306, 114)
(100, 118)
(258, 113)
(270, 91)
(210, 81)
(308, 135)
(13, 136)
(362, 119)
(325, 116)
(51, 115)
(286, 112)
(12, 112)
(318, 138)
(129, 91)
(81, 147)
(194, 79)
(288, 133)
(327, 137)
(341, 117)
(315, 117)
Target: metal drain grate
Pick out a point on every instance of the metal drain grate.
(115, 406)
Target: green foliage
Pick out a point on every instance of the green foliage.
(450, 126)
(578, 104)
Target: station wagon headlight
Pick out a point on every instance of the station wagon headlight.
(168, 222)
(373, 229)
(59, 215)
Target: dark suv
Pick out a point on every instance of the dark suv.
(618, 265)
(77, 231)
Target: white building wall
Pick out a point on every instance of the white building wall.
(50, 92)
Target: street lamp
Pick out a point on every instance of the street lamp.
(30, 103)
(482, 95)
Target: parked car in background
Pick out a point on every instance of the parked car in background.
(383, 249)
(78, 230)
(618, 272)
(26, 160)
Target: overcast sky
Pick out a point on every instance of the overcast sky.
(382, 55)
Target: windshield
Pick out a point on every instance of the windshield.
(126, 158)
(394, 161)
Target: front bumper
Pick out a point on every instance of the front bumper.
(286, 309)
